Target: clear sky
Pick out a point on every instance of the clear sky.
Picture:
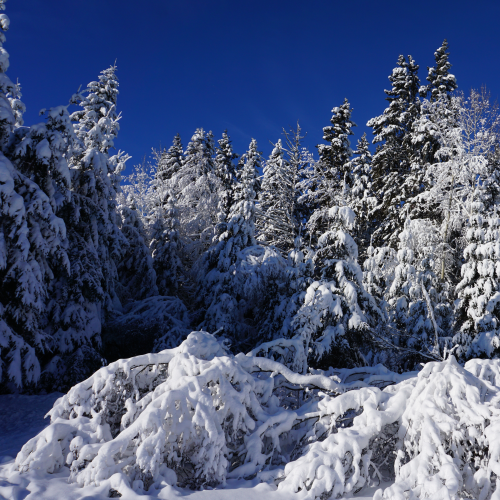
(252, 67)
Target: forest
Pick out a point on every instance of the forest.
(322, 321)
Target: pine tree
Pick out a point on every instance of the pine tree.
(360, 197)
(166, 247)
(218, 291)
(441, 81)
(337, 314)
(391, 164)
(277, 225)
(478, 311)
(331, 173)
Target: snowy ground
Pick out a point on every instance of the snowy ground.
(21, 418)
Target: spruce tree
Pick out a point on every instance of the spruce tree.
(166, 247)
(391, 164)
(82, 298)
(196, 187)
(218, 292)
(478, 310)
(277, 225)
(32, 237)
(441, 81)
(331, 172)
(337, 314)
(135, 270)
(169, 161)
(360, 197)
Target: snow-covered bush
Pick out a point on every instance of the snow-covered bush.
(448, 439)
(194, 416)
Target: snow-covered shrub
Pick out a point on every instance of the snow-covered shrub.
(195, 416)
(192, 415)
(448, 440)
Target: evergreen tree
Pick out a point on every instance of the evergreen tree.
(441, 81)
(196, 187)
(417, 301)
(277, 225)
(360, 197)
(8, 91)
(32, 237)
(331, 173)
(478, 311)
(83, 297)
(135, 270)
(169, 162)
(337, 314)
(218, 290)
(391, 164)
(166, 247)
(226, 172)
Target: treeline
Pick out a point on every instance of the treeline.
(352, 258)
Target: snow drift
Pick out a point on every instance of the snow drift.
(195, 416)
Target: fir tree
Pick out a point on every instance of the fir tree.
(83, 297)
(169, 162)
(337, 314)
(360, 197)
(441, 81)
(32, 237)
(226, 172)
(196, 187)
(166, 247)
(277, 225)
(218, 288)
(478, 311)
(391, 165)
(135, 270)
(331, 174)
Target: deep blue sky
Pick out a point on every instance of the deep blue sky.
(251, 67)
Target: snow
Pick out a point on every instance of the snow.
(22, 417)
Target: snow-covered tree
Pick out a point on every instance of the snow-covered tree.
(166, 247)
(335, 318)
(32, 238)
(276, 224)
(478, 311)
(331, 175)
(218, 291)
(392, 160)
(360, 196)
(82, 297)
(441, 81)
(169, 161)
(225, 170)
(135, 270)
(31, 249)
(196, 187)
